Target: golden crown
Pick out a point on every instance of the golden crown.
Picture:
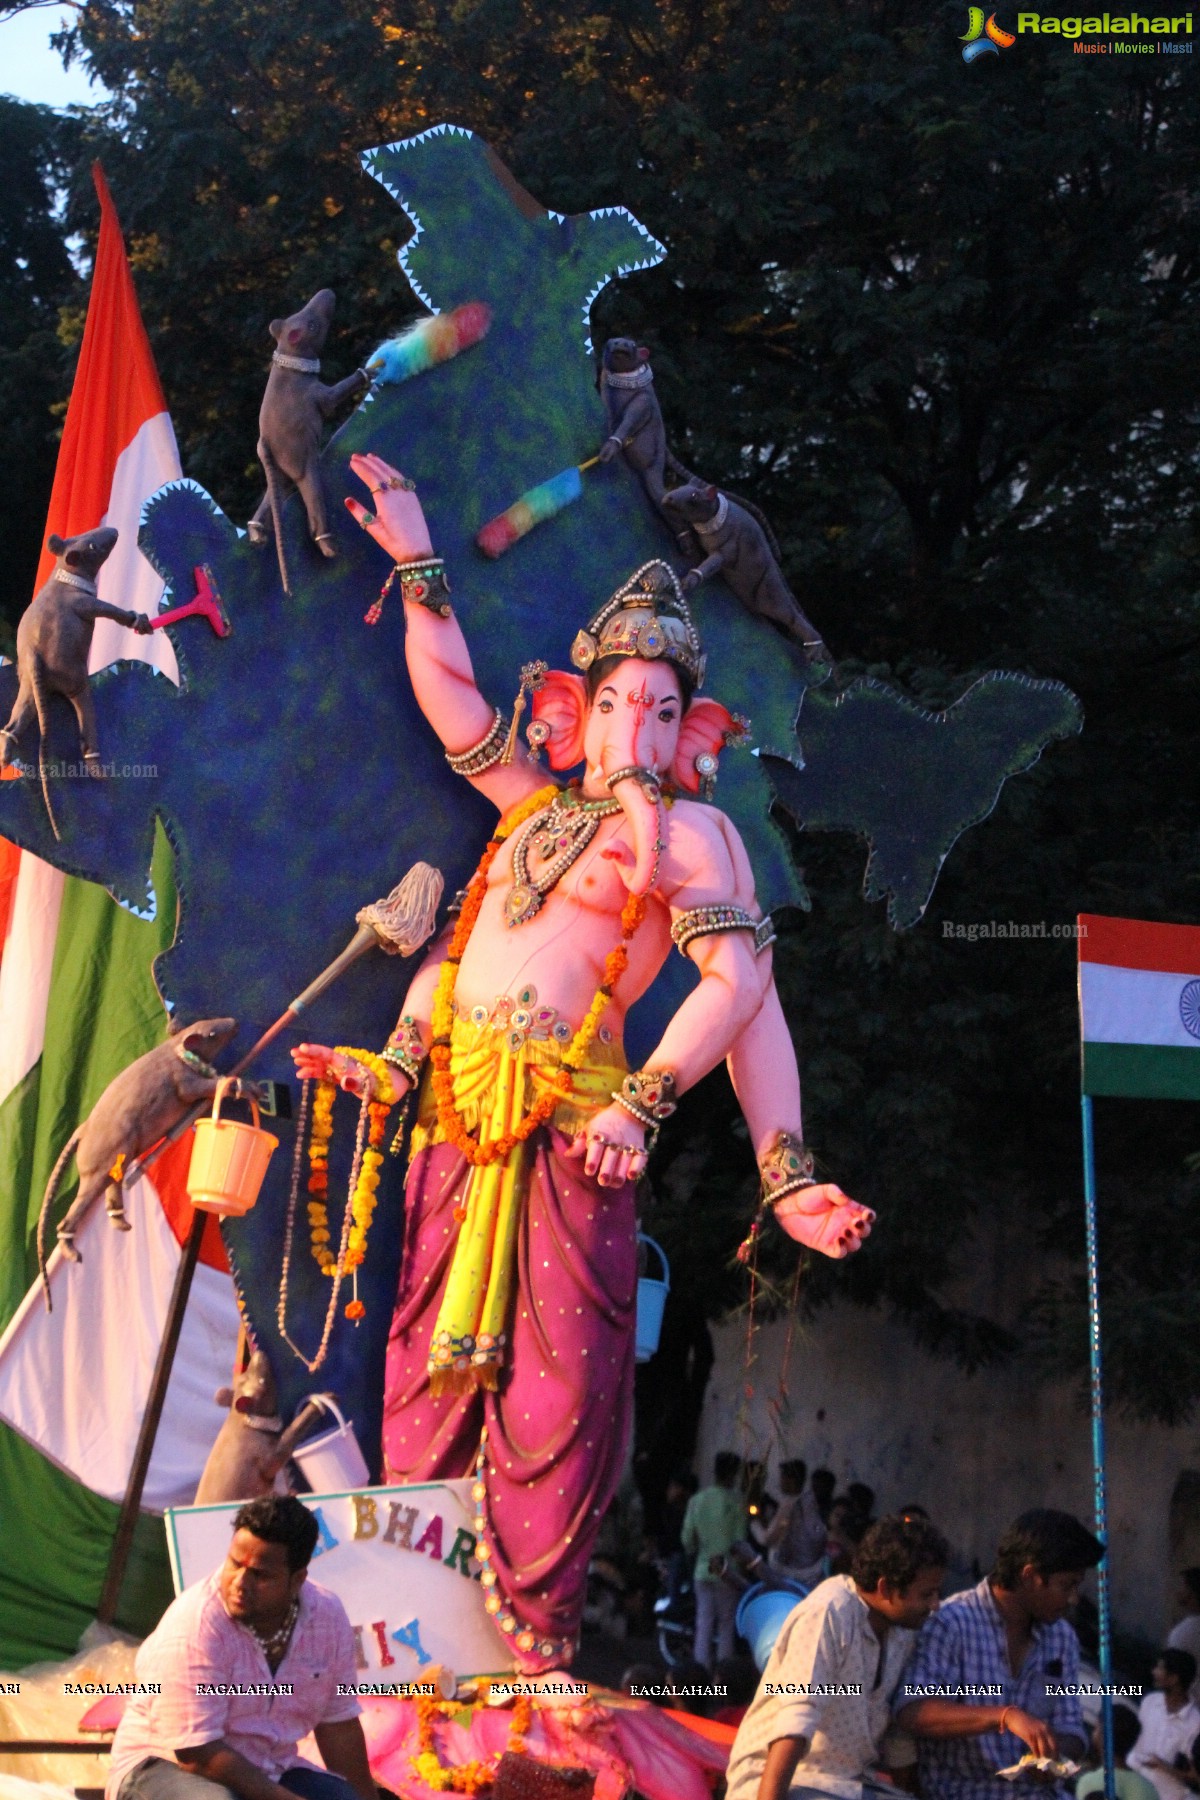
(649, 617)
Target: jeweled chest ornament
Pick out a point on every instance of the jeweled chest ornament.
(558, 836)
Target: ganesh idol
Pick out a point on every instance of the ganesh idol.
(511, 1350)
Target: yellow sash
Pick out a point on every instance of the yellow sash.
(500, 1070)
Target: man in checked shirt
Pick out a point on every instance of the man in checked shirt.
(994, 1670)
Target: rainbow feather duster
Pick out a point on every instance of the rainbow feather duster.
(535, 505)
(429, 342)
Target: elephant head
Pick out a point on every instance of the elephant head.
(630, 713)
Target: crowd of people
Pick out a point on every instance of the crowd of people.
(877, 1682)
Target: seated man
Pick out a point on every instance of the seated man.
(1129, 1784)
(993, 1670)
(795, 1541)
(258, 1624)
(819, 1717)
(1169, 1725)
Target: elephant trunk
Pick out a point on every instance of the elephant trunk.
(639, 802)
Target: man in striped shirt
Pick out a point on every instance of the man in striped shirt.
(994, 1671)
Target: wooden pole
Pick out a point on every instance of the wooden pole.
(118, 1560)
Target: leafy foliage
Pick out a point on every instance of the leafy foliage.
(941, 323)
(36, 280)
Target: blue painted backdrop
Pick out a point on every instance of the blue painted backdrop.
(297, 779)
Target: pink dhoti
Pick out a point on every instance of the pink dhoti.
(547, 1442)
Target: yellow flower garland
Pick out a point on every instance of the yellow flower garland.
(473, 1777)
(363, 1199)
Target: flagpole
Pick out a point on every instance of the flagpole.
(1099, 1479)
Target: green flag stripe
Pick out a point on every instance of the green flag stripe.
(55, 1537)
(1142, 1071)
(103, 1011)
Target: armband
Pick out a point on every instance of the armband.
(485, 754)
(706, 921)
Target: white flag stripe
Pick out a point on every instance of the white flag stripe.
(148, 462)
(1136, 1006)
(25, 965)
(75, 1383)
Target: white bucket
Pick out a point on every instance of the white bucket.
(651, 1299)
(332, 1463)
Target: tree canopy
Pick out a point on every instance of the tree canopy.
(940, 322)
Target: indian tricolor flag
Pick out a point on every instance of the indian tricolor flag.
(1139, 1008)
(77, 1004)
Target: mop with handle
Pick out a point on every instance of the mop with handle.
(399, 925)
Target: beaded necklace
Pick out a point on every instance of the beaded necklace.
(567, 826)
(360, 1205)
(559, 1085)
(273, 1647)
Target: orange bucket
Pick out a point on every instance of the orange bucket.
(229, 1160)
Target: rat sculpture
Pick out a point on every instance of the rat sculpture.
(252, 1448)
(743, 549)
(634, 417)
(54, 639)
(291, 422)
(133, 1112)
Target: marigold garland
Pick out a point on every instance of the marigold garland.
(363, 1195)
(473, 1777)
(318, 1176)
(559, 1085)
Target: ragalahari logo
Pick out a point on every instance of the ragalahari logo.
(984, 38)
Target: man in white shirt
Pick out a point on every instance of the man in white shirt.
(1186, 1634)
(242, 1666)
(817, 1722)
(1170, 1725)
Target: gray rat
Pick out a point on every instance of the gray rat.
(54, 640)
(133, 1112)
(291, 420)
(736, 545)
(633, 415)
(252, 1448)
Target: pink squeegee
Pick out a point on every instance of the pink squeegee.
(207, 602)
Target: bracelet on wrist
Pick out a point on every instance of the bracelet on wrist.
(423, 581)
(646, 1094)
(785, 1167)
(650, 1092)
(404, 1050)
(406, 1064)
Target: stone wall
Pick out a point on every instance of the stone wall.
(975, 1450)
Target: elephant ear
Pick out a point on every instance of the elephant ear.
(561, 703)
(701, 732)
